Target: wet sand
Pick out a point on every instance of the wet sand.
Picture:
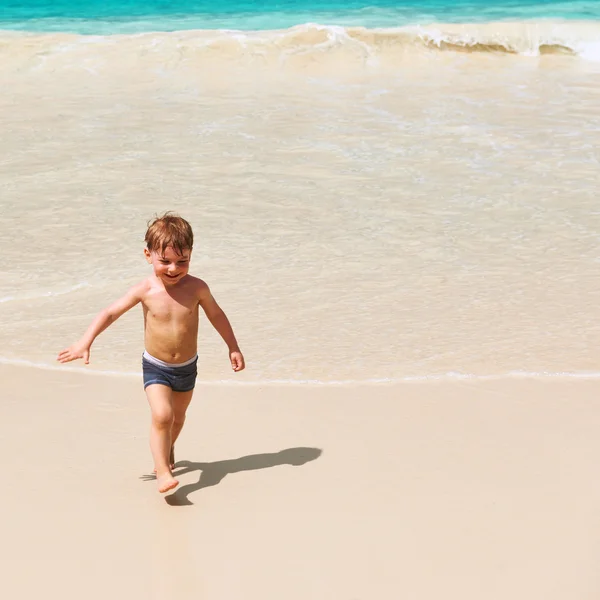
(422, 490)
(429, 215)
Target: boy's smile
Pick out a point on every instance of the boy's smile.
(170, 267)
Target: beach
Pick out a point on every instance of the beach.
(462, 489)
(431, 214)
(397, 207)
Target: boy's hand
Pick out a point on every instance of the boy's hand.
(74, 352)
(237, 360)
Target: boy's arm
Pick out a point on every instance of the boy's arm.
(221, 323)
(106, 317)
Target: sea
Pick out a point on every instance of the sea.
(380, 191)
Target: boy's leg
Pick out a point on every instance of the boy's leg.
(180, 403)
(160, 400)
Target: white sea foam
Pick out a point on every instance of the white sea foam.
(451, 376)
(297, 46)
(45, 294)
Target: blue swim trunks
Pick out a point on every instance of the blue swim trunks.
(179, 377)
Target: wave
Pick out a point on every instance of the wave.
(297, 46)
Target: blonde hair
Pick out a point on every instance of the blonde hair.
(169, 230)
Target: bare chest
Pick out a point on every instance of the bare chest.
(162, 307)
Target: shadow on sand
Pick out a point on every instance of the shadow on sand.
(212, 473)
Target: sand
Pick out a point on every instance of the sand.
(426, 490)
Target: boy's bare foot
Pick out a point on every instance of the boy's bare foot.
(166, 482)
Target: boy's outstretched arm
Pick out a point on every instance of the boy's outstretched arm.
(221, 323)
(106, 317)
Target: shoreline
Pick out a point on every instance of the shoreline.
(450, 377)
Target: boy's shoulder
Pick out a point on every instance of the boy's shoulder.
(195, 280)
(141, 288)
(196, 283)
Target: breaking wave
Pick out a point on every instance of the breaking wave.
(299, 45)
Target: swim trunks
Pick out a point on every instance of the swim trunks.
(179, 377)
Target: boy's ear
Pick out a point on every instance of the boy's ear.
(147, 255)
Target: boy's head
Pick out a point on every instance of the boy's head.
(169, 230)
(169, 240)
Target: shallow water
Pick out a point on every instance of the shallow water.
(131, 16)
(364, 208)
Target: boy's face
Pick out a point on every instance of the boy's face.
(169, 267)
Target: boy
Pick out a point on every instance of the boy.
(170, 299)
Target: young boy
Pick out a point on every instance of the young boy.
(170, 299)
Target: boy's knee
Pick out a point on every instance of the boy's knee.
(163, 417)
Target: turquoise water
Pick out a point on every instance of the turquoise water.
(130, 16)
